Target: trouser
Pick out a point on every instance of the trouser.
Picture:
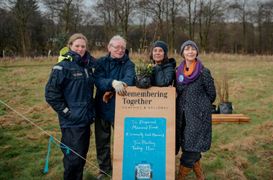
(103, 144)
(188, 159)
(77, 139)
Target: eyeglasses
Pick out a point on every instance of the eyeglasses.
(118, 48)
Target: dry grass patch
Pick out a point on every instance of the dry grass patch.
(249, 143)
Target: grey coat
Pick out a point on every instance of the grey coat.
(193, 113)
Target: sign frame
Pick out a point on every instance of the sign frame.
(144, 111)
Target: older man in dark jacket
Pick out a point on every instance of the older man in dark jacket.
(113, 73)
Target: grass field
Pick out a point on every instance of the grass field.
(239, 151)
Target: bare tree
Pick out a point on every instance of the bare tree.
(240, 9)
(163, 14)
(8, 33)
(124, 8)
(107, 16)
(242, 27)
(264, 21)
(66, 12)
(173, 12)
(157, 8)
(209, 12)
(192, 17)
(23, 10)
(115, 15)
(143, 18)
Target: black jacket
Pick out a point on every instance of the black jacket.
(70, 90)
(164, 74)
(107, 70)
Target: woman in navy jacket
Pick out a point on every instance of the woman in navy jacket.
(69, 92)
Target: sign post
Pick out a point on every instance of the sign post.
(144, 134)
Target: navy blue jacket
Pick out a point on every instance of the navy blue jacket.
(69, 90)
(107, 70)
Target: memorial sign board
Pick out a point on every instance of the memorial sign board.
(144, 134)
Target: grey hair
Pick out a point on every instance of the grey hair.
(117, 38)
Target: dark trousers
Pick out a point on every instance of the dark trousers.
(188, 159)
(77, 139)
(103, 144)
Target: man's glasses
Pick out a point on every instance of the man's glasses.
(118, 48)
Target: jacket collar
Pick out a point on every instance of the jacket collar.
(122, 60)
(82, 61)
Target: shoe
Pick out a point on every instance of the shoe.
(183, 172)
(198, 171)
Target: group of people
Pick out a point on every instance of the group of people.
(70, 91)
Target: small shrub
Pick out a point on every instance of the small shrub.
(222, 88)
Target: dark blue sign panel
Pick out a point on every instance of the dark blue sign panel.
(144, 148)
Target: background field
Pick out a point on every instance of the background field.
(239, 151)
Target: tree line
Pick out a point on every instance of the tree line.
(34, 28)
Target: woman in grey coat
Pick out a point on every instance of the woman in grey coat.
(195, 94)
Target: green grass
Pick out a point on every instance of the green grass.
(239, 151)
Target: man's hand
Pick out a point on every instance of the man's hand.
(107, 95)
(120, 87)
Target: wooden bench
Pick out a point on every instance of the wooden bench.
(231, 118)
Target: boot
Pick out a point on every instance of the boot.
(183, 172)
(198, 171)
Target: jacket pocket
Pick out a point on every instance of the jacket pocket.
(77, 112)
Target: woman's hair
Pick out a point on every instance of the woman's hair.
(76, 36)
(165, 58)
